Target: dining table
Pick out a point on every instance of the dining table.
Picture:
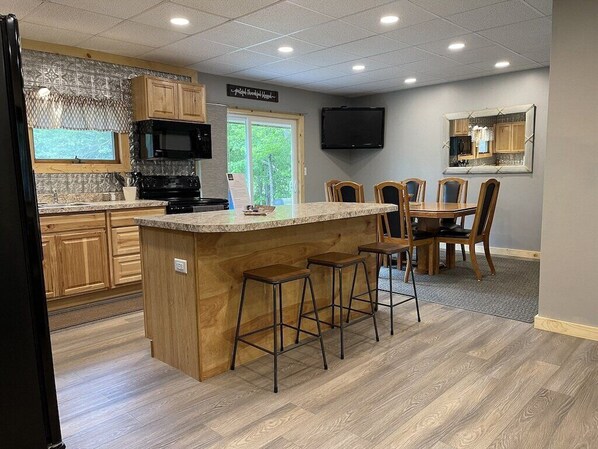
(429, 216)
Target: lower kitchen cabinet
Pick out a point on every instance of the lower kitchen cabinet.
(50, 264)
(82, 260)
(127, 269)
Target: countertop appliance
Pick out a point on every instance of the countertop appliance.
(183, 194)
(27, 384)
(164, 139)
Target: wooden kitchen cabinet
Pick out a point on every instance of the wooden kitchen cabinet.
(510, 137)
(127, 269)
(50, 263)
(125, 241)
(459, 127)
(157, 98)
(82, 263)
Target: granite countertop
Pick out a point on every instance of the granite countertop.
(235, 221)
(83, 206)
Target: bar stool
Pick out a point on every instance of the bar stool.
(339, 261)
(389, 249)
(276, 275)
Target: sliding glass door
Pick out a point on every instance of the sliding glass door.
(265, 150)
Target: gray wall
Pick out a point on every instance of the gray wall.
(414, 137)
(321, 165)
(569, 242)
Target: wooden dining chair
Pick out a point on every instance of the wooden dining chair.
(396, 226)
(480, 231)
(452, 190)
(416, 188)
(329, 189)
(348, 192)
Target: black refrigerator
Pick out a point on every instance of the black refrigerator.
(28, 406)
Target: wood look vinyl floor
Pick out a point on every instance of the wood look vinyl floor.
(457, 380)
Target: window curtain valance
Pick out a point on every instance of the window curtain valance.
(76, 112)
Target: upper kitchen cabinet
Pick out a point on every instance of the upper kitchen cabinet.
(156, 98)
(510, 137)
(460, 127)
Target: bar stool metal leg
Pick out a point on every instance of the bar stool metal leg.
(392, 321)
(299, 319)
(367, 281)
(281, 320)
(333, 296)
(340, 309)
(415, 292)
(352, 291)
(275, 335)
(377, 277)
(237, 331)
(313, 300)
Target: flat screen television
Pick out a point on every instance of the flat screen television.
(352, 128)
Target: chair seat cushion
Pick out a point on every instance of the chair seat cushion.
(334, 259)
(420, 235)
(457, 231)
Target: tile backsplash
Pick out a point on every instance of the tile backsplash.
(76, 76)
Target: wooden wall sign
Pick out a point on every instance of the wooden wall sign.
(251, 93)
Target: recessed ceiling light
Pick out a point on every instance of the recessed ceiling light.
(410, 80)
(43, 92)
(358, 67)
(457, 46)
(387, 20)
(285, 49)
(502, 64)
(180, 21)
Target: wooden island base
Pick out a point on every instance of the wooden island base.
(191, 317)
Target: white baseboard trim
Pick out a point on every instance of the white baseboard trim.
(509, 252)
(566, 328)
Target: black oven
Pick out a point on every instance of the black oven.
(163, 139)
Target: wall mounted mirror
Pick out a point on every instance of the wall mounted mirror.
(497, 140)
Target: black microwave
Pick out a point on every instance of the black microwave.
(163, 139)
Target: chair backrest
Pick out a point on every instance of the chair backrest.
(349, 192)
(452, 190)
(395, 225)
(485, 209)
(416, 188)
(329, 188)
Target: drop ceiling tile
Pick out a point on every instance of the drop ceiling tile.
(114, 8)
(471, 41)
(215, 68)
(339, 8)
(160, 16)
(493, 16)
(408, 13)
(53, 35)
(73, 19)
(540, 56)
(544, 6)
(284, 18)
(333, 33)
(252, 74)
(447, 7)
(286, 67)
(19, 8)
(299, 47)
(430, 66)
(326, 57)
(490, 54)
(188, 51)
(238, 35)
(139, 33)
(227, 8)
(403, 56)
(523, 36)
(245, 59)
(117, 47)
(371, 46)
(499, 54)
(430, 31)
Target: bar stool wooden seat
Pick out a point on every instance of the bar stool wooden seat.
(276, 275)
(337, 262)
(387, 250)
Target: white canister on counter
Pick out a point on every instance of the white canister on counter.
(130, 193)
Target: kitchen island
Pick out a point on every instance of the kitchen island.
(191, 304)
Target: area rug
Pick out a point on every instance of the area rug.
(74, 316)
(512, 293)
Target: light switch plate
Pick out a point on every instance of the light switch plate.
(180, 266)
